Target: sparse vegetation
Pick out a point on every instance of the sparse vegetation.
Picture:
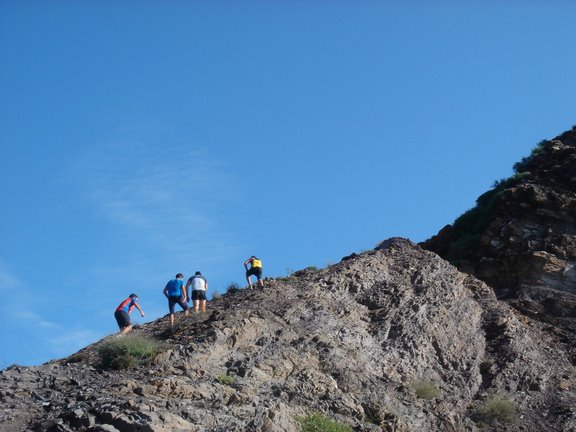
(232, 288)
(226, 379)
(128, 351)
(12, 366)
(496, 408)
(522, 165)
(469, 227)
(317, 422)
(426, 390)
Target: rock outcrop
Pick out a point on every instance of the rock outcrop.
(521, 237)
(356, 341)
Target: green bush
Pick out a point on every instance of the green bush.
(128, 351)
(426, 390)
(226, 379)
(320, 423)
(496, 408)
(467, 229)
(523, 164)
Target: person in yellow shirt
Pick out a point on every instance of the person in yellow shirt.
(255, 269)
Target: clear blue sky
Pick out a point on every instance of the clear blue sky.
(141, 139)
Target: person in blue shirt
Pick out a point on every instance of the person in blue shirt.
(175, 292)
(122, 313)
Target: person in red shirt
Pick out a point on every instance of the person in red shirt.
(122, 313)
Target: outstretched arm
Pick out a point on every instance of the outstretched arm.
(246, 263)
(137, 306)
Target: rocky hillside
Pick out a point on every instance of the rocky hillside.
(521, 237)
(394, 339)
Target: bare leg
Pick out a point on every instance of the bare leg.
(125, 330)
(171, 320)
(203, 305)
(248, 280)
(196, 306)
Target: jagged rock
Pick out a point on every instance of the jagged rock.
(526, 231)
(352, 341)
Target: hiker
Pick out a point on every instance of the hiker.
(199, 286)
(254, 270)
(122, 313)
(176, 294)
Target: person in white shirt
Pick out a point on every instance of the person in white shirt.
(199, 286)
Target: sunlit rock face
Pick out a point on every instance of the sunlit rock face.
(393, 339)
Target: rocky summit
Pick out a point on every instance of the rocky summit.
(393, 339)
(521, 236)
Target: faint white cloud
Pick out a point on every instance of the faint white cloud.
(162, 196)
(35, 320)
(8, 280)
(16, 291)
(67, 342)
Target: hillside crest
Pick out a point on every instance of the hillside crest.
(353, 341)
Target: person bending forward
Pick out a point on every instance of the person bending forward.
(199, 286)
(176, 295)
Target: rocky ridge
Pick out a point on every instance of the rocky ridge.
(521, 237)
(350, 341)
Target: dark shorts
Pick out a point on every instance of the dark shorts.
(122, 318)
(176, 300)
(198, 295)
(255, 271)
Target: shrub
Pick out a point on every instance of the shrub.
(525, 162)
(232, 288)
(128, 351)
(13, 366)
(317, 422)
(426, 390)
(226, 379)
(496, 408)
(468, 228)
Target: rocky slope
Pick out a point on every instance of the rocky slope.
(354, 341)
(521, 237)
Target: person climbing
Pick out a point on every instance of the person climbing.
(122, 313)
(254, 270)
(199, 286)
(176, 294)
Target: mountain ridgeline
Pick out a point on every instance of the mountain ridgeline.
(521, 237)
(471, 331)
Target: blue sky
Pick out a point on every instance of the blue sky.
(142, 139)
